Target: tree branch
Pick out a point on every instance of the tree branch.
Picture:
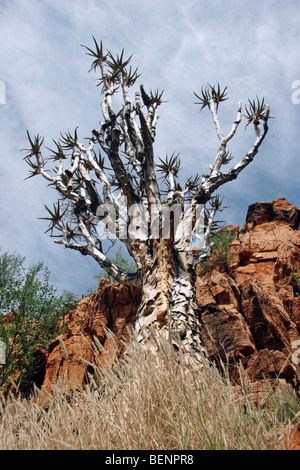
(212, 183)
(223, 139)
(119, 274)
(121, 174)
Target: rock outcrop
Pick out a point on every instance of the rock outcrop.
(250, 311)
(292, 440)
(113, 306)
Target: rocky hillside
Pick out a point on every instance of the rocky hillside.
(250, 311)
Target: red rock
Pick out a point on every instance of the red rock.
(259, 213)
(225, 334)
(267, 248)
(266, 364)
(280, 210)
(224, 289)
(224, 330)
(268, 320)
(113, 306)
(292, 441)
(295, 312)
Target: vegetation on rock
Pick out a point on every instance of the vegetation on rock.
(30, 309)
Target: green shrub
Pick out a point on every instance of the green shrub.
(29, 313)
(221, 252)
(296, 279)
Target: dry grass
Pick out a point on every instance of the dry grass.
(148, 402)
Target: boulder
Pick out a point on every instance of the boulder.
(270, 324)
(280, 211)
(113, 306)
(271, 364)
(225, 332)
(292, 440)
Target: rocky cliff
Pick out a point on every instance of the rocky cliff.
(250, 310)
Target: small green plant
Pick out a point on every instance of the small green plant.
(296, 280)
(221, 252)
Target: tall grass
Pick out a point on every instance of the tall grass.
(148, 401)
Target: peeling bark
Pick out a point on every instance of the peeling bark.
(169, 301)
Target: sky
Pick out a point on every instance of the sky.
(178, 46)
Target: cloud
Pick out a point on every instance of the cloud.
(178, 46)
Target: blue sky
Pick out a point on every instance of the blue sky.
(252, 47)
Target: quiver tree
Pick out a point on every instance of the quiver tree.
(114, 188)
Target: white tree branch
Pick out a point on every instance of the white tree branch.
(212, 184)
(223, 139)
(213, 111)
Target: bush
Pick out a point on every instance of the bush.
(221, 252)
(296, 280)
(29, 313)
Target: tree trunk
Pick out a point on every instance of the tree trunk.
(185, 314)
(169, 303)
